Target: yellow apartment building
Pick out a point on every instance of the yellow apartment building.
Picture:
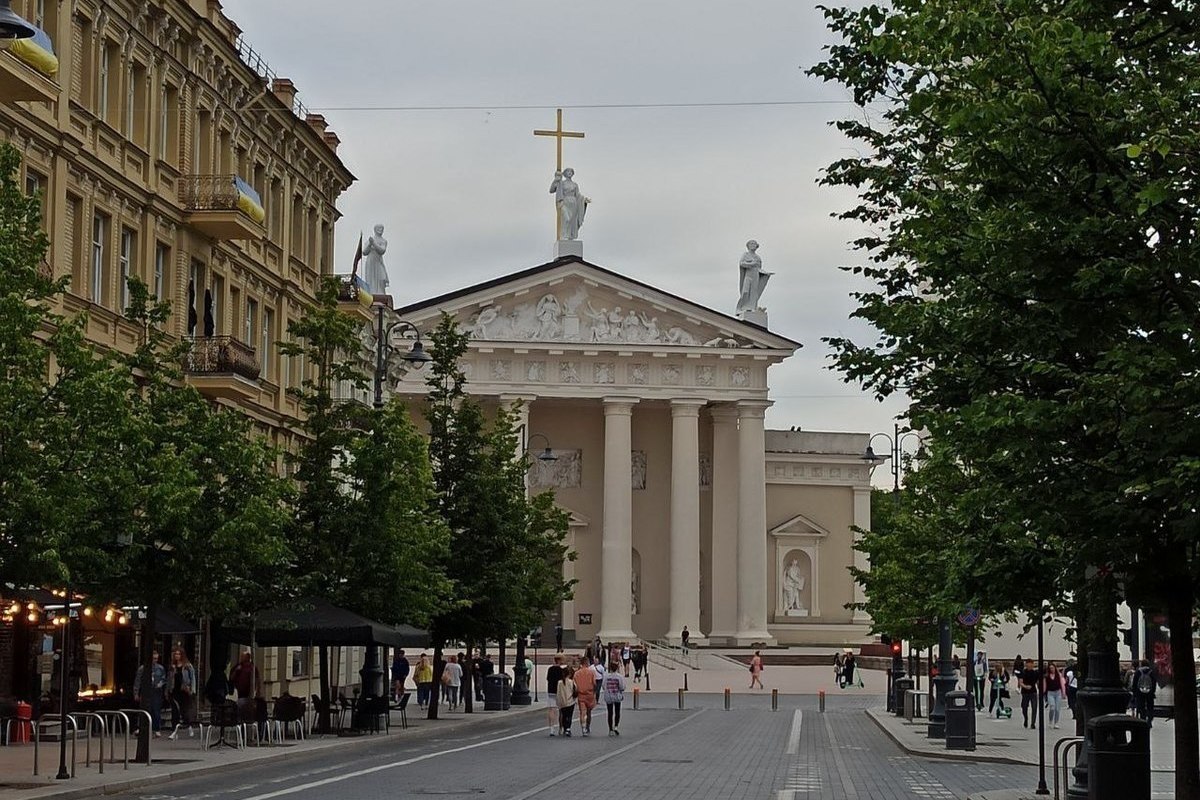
(165, 147)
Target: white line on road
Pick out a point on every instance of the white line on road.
(541, 787)
(381, 767)
(793, 746)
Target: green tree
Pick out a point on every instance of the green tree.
(508, 548)
(1028, 183)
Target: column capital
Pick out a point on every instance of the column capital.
(614, 405)
(687, 406)
(751, 409)
(723, 412)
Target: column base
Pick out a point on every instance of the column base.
(609, 636)
(721, 638)
(694, 639)
(752, 638)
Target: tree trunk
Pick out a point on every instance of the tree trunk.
(468, 690)
(149, 634)
(1181, 600)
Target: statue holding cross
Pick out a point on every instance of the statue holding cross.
(569, 202)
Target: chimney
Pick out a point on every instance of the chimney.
(316, 122)
(285, 90)
(332, 140)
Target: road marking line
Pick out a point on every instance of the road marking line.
(381, 767)
(838, 761)
(793, 746)
(541, 787)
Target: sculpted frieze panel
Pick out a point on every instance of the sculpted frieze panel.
(583, 314)
(564, 472)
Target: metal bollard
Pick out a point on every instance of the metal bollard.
(681, 699)
(774, 699)
(726, 698)
(685, 686)
(635, 698)
(821, 701)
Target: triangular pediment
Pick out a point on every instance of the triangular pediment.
(573, 302)
(799, 525)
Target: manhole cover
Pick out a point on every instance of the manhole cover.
(667, 761)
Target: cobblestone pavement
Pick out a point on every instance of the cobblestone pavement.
(701, 751)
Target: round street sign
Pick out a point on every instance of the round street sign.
(969, 617)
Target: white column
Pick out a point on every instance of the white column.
(723, 566)
(753, 570)
(685, 520)
(862, 519)
(616, 562)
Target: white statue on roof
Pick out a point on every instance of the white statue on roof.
(751, 282)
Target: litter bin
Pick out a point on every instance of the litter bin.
(497, 692)
(899, 687)
(1118, 758)
(960, 721)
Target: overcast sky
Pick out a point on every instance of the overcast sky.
(676, 191)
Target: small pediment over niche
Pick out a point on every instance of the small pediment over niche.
(573, 302)
(575, 519)
(799, 525)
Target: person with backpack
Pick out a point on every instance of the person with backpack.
(1145, 684)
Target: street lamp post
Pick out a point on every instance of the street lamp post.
(372, 672)
(521, 675)
(64, 657)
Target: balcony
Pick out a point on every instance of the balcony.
(223, 207)
(28, 69)
(221, 366)
(356, 301)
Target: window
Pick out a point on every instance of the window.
(128, 244)
(162, 256)
(218, 304)
(268, 322)
(99, 235)
(103, 85)
(168, 124)
(202, 145)
(301, 659)
(135, 105)
(84, 74)
(251, 320)
(35, 186)
(39, 14)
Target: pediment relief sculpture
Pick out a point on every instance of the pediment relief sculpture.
(578, 314)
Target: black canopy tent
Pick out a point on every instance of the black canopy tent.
(317, 622)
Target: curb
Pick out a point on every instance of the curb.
(116, 786)
(947, 755)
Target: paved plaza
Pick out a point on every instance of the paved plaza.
(850, 750)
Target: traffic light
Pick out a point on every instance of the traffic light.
(895, 649)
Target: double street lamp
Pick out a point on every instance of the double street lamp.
(384, 350)
(522, 676)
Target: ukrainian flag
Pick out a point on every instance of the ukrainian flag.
(37, 52)
(249, 201)
(364, 296)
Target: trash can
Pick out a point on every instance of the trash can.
(960, 720)
(1118, 758)
(899, 687)
(497, 692)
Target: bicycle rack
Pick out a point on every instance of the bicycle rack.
(92, 715)
(1063, 748)
(37, 738)
(119, 719)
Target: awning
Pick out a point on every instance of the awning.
(318, 622)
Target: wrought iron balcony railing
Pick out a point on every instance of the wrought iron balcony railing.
(220, 193)
(221, 355)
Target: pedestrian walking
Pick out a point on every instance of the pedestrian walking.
(980, 675)
(477, 677)
(1145, 684)
(1000, 693)
(400, 670)
(452, 679)
(153, 699)
(598, 668)
(839, 662)
(1054, 688)
(756, 668)
(182, 684)
(684, 636)
(565, 696)
(1028, 683)
(614, 695)
(554, 676)
(585, 693)
(423, 676)
(848, 669)
(1071, 672)
(246, 681)
(558, 631)
(626, 657)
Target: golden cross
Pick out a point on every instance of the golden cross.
(559, 134)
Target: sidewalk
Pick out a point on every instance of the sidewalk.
(184, 757)
(1005, 741)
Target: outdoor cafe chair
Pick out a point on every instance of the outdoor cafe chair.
(402, 707)
(288, 715)
(222, 717)
(377, 708)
